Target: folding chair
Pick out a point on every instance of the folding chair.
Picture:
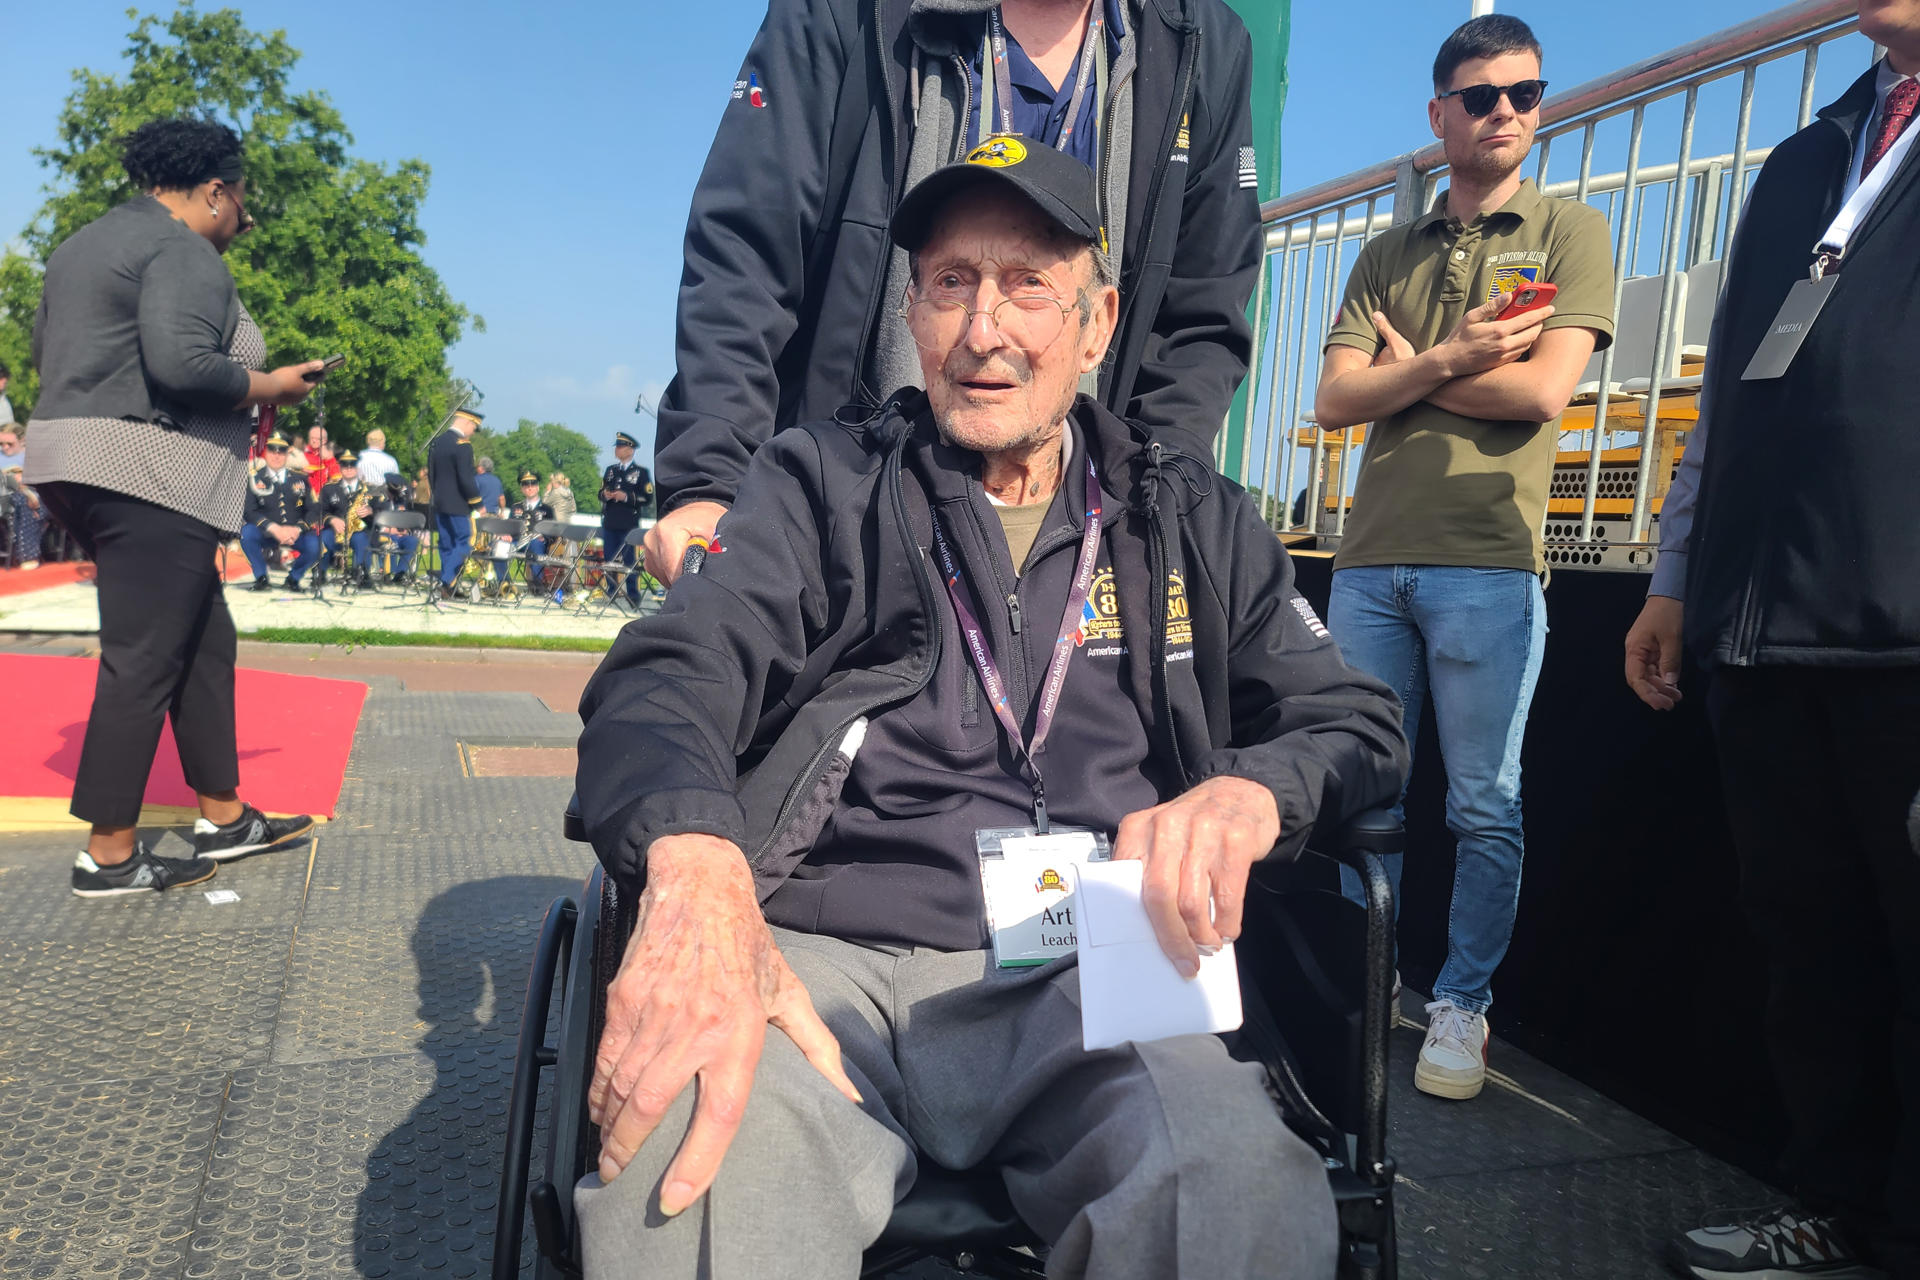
(397, 524)
(1316, 978)
(615, 575)
(488, 531)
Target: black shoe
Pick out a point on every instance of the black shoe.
(249, 833)
(447, 592)
(364, 581)
(1772, 1243)
(397, 579)
(295, 586)
(260, 584)
(144, 872)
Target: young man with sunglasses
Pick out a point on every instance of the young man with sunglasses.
(1437, 582)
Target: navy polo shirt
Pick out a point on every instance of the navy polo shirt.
(1039, 110)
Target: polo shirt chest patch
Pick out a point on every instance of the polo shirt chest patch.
(1512, 270)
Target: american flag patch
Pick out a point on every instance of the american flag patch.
(1312, 619)
(1249, 171)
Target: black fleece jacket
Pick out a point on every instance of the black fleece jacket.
(780, 293)
(723, 713)
(1804, 549)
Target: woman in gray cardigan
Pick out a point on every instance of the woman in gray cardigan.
(149, 375)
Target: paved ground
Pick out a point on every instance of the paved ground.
(310, 1081)
(73, 607)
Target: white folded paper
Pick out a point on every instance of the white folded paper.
(1129, 990)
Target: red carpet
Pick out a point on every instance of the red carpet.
(295, 733)
(15, 582)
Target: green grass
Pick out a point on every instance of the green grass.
(367, 638)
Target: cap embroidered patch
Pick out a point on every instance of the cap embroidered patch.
(999, 152)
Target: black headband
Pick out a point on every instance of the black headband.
(227, 169)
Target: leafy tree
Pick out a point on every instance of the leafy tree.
(544, 447)
(334, 265)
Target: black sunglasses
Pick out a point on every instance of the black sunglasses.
(1479, 99)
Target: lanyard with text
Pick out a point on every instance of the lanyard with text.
(1002, 88)
(1807, 297)
(976, 638)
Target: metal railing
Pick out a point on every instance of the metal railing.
(1667, 217)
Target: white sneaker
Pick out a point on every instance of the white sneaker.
(1453, 1061)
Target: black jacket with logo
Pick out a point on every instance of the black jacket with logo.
(1804, 548)
(779, 297)
(818, 609)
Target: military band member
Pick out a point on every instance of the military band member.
(528, 513)
(398, 546)
(336, 509)
(281, 509)
(456, 493)
(626, 491)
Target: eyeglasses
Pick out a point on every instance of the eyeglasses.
(1029, 322)
(1479, 99)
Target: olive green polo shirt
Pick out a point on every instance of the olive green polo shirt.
(1434, 487)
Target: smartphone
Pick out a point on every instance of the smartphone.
(1528, 297)
(327, 366)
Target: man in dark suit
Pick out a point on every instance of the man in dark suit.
(281, 509)
(1796, 566)
(456, 492)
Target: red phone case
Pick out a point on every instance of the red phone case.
(1528, 297)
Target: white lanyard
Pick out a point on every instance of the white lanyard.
(1833, 245)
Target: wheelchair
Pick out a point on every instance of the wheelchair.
(1316, 976)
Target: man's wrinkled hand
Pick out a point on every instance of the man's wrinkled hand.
(666, 543)
(1653, 653)
(1198, 850)
(697, 988)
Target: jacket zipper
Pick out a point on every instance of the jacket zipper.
(1182, 107)
(1013, 611)
(1106, 149)
(804, 783)
(862, 392)
(1157, 627)
(960, 147)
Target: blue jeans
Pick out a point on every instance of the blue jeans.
(456, 541)
(1469, 640)
(253, 543)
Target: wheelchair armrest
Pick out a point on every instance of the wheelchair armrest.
(1374, 831)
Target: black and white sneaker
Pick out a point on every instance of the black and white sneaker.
(251, 832)
(144, 872)
(1773, 1244)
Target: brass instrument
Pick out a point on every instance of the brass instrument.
(360, 512)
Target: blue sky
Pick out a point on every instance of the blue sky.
(565, 139)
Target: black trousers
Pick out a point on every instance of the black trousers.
(1821, 768)
(167, 648)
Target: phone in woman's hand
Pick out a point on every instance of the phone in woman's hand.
(327, 366)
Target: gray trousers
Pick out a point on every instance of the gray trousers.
(1150, 1161)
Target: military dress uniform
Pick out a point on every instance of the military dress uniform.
(456, 496)
(626, 489)
(399, 548)
(528, 516)
(336, 502)
(281, 497)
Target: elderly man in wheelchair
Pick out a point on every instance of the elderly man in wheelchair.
(802, 763)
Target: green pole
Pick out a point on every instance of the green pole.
(1268, 21)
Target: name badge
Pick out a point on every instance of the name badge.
(1789, 329)
(1030, 884)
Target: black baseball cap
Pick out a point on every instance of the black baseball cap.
(1062, 186)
